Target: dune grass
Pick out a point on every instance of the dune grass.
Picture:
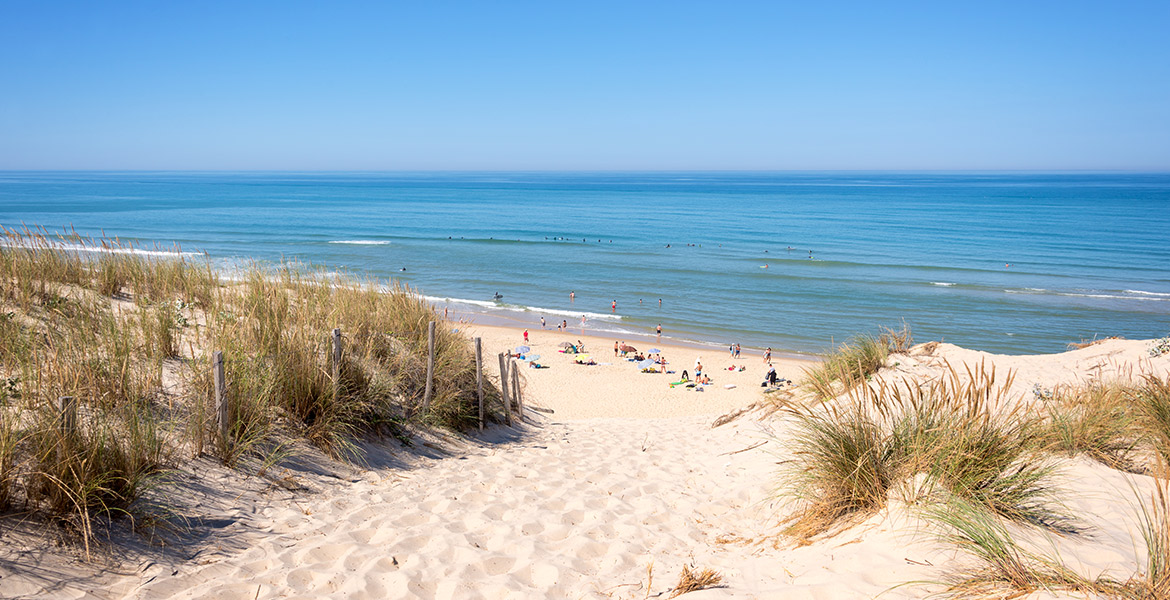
(1098, 420)
(1152, 397)
(1153, 582)
(999, 567)
(853, 362)
(954, 431)
(102, 322)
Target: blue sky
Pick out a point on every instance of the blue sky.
(584, 86)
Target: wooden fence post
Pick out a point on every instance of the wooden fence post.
(479, 377)
(516, 393)
(504, 389)
(66, 416)
(221, 402)
(430, 365)
(66, 425)
(336, 363)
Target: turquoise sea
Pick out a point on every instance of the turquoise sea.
(1005, 262)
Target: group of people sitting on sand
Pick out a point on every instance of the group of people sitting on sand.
(699, 377)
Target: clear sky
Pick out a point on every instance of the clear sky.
(594, 85)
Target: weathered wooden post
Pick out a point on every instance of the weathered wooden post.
(516, 393)
(221, 402)
(336, 363)
(66, 415)
(66, 425)
(479, 377)
(504, 389)
(430, 365)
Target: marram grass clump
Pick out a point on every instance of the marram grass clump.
(956, 432)
(853, 362)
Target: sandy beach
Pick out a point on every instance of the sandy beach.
(611, 485)
(615, 387)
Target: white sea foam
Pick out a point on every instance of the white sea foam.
(1104, 295)
(361, 242)
(1145, 293)
(589, 316)
(942, 283)
(99, 249)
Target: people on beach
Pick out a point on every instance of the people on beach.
(768, 355)
(736, 350)
(660, 327)
(525, 336)
(731, 350)
(542, 321)
(615, 349)
(770, 377)
(564, 325)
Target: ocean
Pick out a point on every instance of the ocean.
(1003, 262)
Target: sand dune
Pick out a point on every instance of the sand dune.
(616, 484)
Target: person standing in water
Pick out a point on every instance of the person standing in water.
(660, 332)
(572, 295)
(613, 306)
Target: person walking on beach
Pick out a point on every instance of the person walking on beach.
(731, 350)
(698, 369)
(542, 321)
(737, 350)
(525, 336)
(615, 349)
(768, 355)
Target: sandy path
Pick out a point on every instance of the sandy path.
(576, 509)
